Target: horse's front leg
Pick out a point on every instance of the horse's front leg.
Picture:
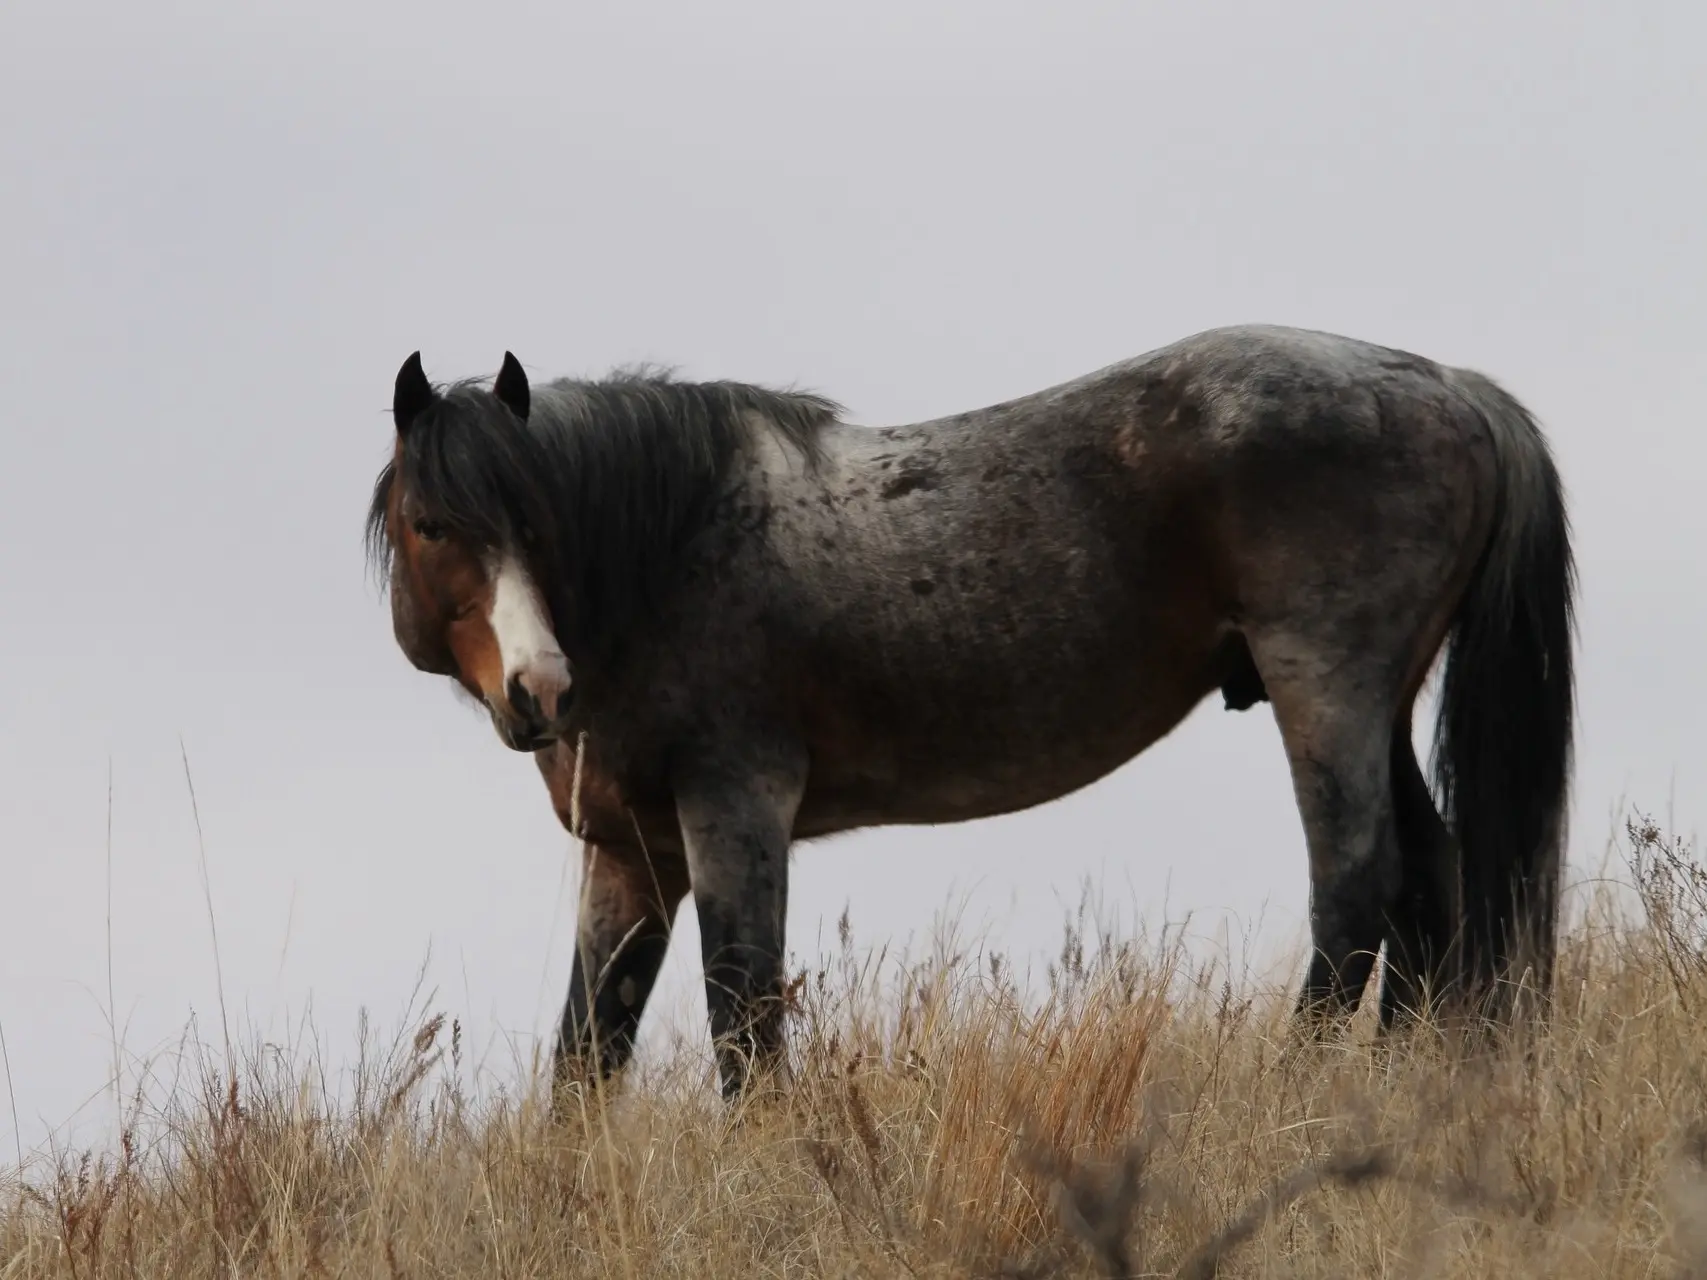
(737, 818)
(628, 904)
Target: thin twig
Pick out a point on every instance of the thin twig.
(577, 828)
(112, 1004)
(1100, 1207)
(207, 896)
(575, 833)
(12, 1097)
(1349, 1169)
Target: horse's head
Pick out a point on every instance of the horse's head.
(456, 518)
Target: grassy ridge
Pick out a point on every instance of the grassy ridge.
(1139, 1118)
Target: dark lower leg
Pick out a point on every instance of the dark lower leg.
(1420, 939)
(628, 906)
(744, 996)
(1345, 942)
(1354, 876)
(737, 812)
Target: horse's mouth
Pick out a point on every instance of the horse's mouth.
(524, 738)
(531, 745)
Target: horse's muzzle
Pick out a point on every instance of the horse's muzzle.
(523, 724)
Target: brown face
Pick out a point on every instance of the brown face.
(467, 612)
(480, 619)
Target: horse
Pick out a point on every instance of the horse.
(723, 619)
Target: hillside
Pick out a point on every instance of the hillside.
(1141, 1118)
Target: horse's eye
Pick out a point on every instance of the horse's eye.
(429, 530)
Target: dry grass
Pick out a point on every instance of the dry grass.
(1138, 1118)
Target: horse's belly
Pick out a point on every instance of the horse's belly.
(958, 766)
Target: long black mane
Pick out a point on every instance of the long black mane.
(603, 486)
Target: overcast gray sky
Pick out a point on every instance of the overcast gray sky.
(224, 226)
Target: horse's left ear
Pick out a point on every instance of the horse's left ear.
(412, 394)
(512, 387)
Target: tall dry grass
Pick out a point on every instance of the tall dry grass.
(1140, 1117)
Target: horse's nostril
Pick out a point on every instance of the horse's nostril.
(523, 703)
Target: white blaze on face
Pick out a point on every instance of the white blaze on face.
(526, 645)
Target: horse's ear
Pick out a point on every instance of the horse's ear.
(511, 388)
(412, 394)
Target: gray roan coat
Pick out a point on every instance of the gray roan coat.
(764, 625)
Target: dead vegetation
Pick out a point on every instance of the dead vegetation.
(1137, 1118)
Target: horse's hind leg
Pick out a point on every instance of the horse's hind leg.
(1420, 939)
(1336, 711)
(628, 904)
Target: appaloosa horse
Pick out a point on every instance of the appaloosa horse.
(767, 625)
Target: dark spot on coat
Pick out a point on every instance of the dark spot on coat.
(1168, 399)
(923, 586)
(917, 473)
(909, 482)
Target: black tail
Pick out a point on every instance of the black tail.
(1503, 741)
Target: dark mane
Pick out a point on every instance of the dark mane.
(606, 482)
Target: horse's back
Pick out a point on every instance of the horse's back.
(1201, 400)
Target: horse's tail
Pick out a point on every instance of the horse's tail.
(1503, 740)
